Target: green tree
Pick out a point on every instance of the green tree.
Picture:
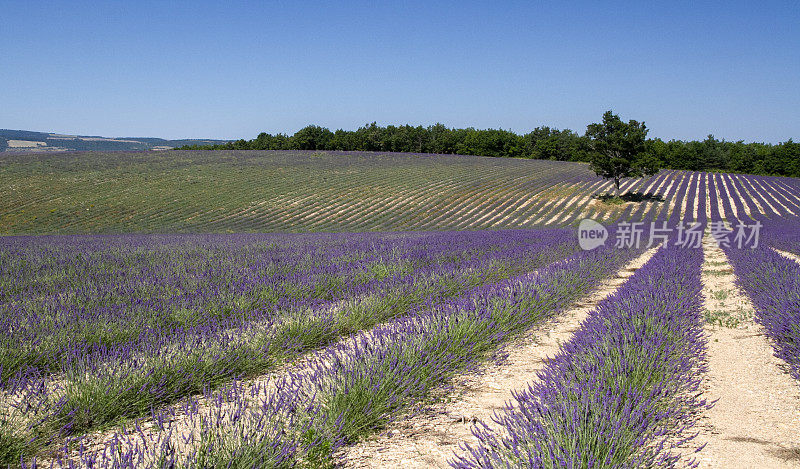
(544, 143)
(311, 137)
(618, 150)
(614, 147)
(442, 139)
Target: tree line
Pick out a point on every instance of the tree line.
(782, 159)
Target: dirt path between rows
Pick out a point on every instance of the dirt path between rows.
(430, 437)
(756, 420)
(789, 255)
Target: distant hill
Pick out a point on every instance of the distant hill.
(27, 141)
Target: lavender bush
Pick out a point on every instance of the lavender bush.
(773, 284)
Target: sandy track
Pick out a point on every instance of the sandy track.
(789, 255)
(756, 420)
(430, 437)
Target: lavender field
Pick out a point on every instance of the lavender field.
(292, 349)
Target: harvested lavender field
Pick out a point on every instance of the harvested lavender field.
(302, 191)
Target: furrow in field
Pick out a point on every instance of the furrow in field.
(528, 210)
(728, 197)
(306, 212)
(758, 197)
(719, 198)
(612, 213)
(687, 207)
(630, 185)
(371, 305)
(462, 217)
(643, 212)
(555, 199)
(738, 201)
(664, 212)
(750, 207)
(582, 202)
(768, 193)
(294, 214)
(549, 206)
(789, 255)
(789, 192)
(416, 198)
(503, 195)
(536, 214)
(699, 208)
(578, 194)
(380, 205)
(568, 209)
(677, 211)
(437, 199)
(505, 198)
(522, 197)
(450, 214)
(396, 201)
(531, 211)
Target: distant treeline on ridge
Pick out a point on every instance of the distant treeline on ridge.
(544, 143)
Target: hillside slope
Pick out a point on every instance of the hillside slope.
(254, 191)
(27, 141)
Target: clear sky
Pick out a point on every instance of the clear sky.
(232, 70)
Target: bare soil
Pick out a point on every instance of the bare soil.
(789, 255)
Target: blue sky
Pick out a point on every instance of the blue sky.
(232, 70)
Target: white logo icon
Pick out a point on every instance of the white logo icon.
(591, 234)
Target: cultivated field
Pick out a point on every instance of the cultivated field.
(244, 191)
(490, 340)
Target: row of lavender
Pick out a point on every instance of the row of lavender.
(61, 293)
(691, 196)
(352, 389)
(772, 281)
(621, 391)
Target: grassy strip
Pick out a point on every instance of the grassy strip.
(353, 391)
(621, 390)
